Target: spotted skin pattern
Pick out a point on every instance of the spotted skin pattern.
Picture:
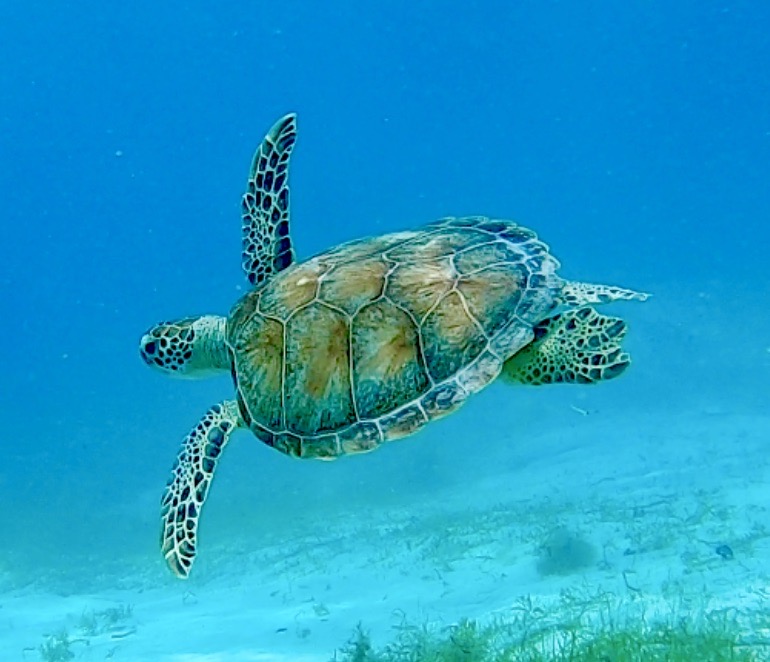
(169, 345)
(578, 346)
(189, 347)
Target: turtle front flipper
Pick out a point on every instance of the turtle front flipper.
(267, 247)
(189, 484)
(579, 346)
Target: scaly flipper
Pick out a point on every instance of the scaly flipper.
(189, 484)
(267, 245)
(574, 293)
(579, 346)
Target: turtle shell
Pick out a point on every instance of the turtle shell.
(371, 340)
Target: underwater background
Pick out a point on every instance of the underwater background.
(633, 137)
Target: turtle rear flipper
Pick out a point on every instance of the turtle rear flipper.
(574, 293)
(579, 346)
(189, 484)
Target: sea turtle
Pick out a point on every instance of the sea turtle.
(369, 341)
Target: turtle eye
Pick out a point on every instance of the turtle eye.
(150, 347)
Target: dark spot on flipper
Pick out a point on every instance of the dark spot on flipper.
(615, 370)
(180, 566)
(616, 329)
(286, 142)
(614, 355)
(283, 245)
(283, 199)
(216, 436)
(213, 451)
(594, 342)
(282, 261)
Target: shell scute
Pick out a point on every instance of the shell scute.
(388, 366)
(437, 244)
(482, 256)
(259, 368)
(353, 284)
(443, 399)
(452, 337)
(293, 290)
(489, 293)
(322, 447)
(360, 438)
(418, 287)
(317, 384)
(403, 422)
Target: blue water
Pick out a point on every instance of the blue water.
(633, 137)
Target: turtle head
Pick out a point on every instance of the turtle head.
(190, 347)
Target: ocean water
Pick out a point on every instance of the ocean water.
(633, 137)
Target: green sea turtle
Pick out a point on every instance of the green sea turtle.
(369, 341)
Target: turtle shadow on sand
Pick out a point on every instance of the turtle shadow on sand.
(564, 552)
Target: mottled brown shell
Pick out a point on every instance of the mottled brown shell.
(371, 340)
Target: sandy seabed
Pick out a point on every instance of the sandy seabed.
(674, 524)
